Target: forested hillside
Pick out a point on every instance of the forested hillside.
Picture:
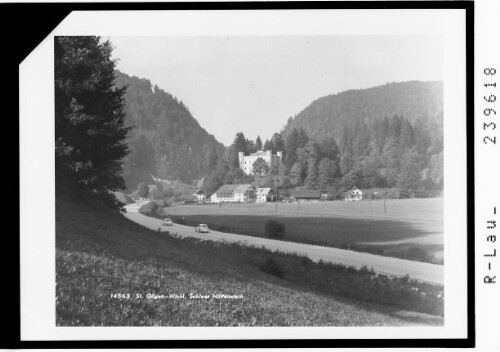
(329, 115)
(166, 140)
(387, 136)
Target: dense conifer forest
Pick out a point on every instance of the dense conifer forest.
(165, 140)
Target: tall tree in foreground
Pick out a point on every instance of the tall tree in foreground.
(89, 120)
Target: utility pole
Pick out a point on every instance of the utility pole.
(385, 196)
(277, 192)
(298, 199)
(276, 200)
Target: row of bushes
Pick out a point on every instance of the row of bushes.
(410, 253)
(362, 284)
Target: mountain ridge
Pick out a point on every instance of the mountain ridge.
(411, 99)
(166, 140)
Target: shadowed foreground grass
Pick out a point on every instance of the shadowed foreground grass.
(101, 255)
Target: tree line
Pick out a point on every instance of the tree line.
(387, 152)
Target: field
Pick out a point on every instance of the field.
(100, 254)
(410, 228)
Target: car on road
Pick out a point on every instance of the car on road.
(203, 228)
(167, 222)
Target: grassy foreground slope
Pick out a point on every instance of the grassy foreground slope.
(99, 254)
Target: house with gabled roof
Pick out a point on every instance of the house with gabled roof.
(262, 195)
(354, 194)
(234, 193)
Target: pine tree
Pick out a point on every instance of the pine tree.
(381, 130)
(296, 175)
(240, 143)
(258, 143)
(311, 180)
(268, 145)
(328, 149)
(90, 131)
(395, 127)
(326, 173)
(291, 145)
(296, 139)
(390, 159)
(251, 147)
(277, 143)
(406, 138)
(410, 179)
(345, 164)
(361, 145)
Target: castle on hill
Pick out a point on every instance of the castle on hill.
(246, 161)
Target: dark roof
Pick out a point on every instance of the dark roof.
(305, 193)
(350, 192)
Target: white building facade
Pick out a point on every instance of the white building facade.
(199, 196)
(261, 194)
(354, 195)
(246, 161)
(233, 193)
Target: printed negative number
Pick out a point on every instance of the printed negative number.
(120, 295)
(489, 111)
(490, 71)
(491, 99)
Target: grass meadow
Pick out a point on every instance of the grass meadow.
(100, 255)
(410, 228)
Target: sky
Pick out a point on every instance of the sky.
(254, 84)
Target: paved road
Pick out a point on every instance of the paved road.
(394, 266)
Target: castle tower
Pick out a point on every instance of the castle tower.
(241, 160)
(279, 158)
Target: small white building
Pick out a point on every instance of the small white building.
(246, 162)
(233, 193)
(199, 196)
(354, 194)
(262, 194)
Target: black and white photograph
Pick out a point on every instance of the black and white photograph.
(249, 174)
(262, 181)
